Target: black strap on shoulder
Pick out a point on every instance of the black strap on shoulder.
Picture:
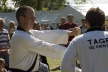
(33, 65)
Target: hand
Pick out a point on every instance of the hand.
(75, 31)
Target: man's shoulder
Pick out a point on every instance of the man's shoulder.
(80, 37)
(22, 36)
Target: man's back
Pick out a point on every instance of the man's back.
(93, 53)
(91, 49)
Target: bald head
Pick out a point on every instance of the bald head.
(25, 16)
(22, 11)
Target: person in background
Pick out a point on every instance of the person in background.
(83, 26)
(12, 28)
(44, 27)
(62, 22)
(4, 42)
(91, 48)
(2, 65)
(36, 26)
(106, 25)
(69, 25)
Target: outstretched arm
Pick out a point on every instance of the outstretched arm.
(44, 48)
(52, 36)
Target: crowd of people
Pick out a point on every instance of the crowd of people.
(25, 48)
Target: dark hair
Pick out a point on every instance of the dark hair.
(95, 17)
(22, 11)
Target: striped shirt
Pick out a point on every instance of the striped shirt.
(4, 39)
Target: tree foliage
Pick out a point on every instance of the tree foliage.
(37, 4)
(40, 4)
(25, 2)
(4, 7)
(3, 3)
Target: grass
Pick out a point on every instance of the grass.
(53, 63)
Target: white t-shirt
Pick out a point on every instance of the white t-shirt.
(91, 49)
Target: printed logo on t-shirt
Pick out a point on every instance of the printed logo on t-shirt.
(98, 43)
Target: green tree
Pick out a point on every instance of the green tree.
(23, 2)
(40, 4)
(3, 3)
(4, 7)
(56, 4)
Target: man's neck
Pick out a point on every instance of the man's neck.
(95, 29)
